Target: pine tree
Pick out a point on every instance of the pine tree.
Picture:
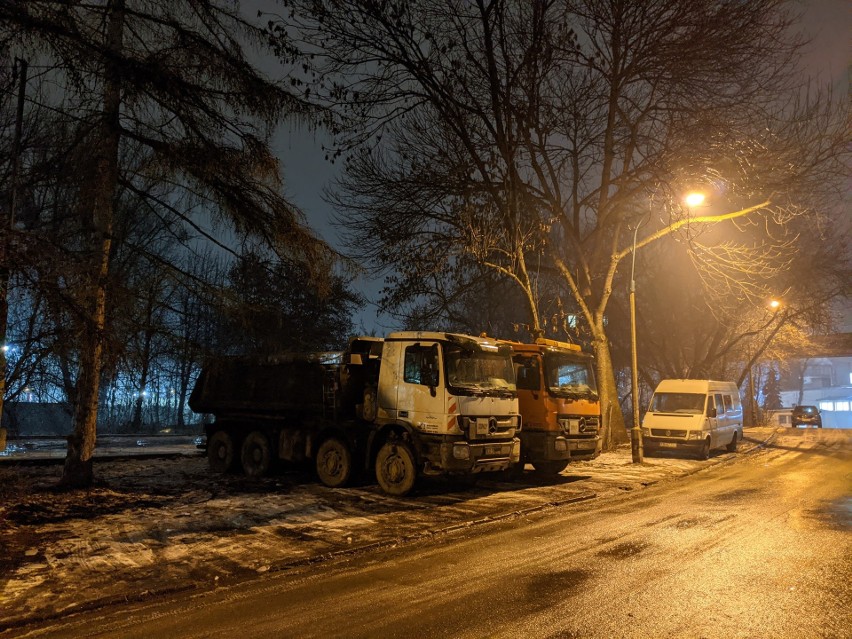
(156, 91)
(772, 390)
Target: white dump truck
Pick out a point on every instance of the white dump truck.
(413, 403)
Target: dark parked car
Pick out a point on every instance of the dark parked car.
(806, 416)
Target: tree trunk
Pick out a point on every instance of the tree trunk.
(97, 202)
(8, 222)
(136, 424)
(81, 443)
(4, 314)
(801, 380)
(614, 432)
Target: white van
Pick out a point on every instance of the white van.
(695, 415)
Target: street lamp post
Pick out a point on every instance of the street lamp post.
(637, 449)
(636, 431)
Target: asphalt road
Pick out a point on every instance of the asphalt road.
(756, 547)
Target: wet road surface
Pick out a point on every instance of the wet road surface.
(756, 547)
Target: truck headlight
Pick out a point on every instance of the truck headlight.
(646, 432)
(461, 451)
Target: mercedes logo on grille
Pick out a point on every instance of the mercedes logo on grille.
(492, 425)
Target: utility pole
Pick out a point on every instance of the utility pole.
(6, 232)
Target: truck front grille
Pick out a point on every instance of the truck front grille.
(661, 432)
(579, 425)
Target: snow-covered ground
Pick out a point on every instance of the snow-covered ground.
(158, 524)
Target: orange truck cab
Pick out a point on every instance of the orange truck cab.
(559, 404)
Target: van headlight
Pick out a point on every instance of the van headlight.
(695, 434)
(646, 432)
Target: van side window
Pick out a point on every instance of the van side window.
(729, 404)
(421, 365)
(720, 405)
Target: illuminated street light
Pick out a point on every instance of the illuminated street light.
(774, 305)
(694, 199)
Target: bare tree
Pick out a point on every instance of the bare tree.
(173, 80)
(537, 133)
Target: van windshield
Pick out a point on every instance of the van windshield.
(692, 403)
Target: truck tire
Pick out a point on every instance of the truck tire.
(704, 453)
(220, 452)
(334, 463)
(550, 467)
(396, 470)
(256, 454)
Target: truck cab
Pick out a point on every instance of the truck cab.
(559, 402)
(446, 403)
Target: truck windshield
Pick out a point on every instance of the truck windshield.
(692, 403)
(475, 370)
(569, 375)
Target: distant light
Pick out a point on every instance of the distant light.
(5, 348)
(694, 199)
(774, 304)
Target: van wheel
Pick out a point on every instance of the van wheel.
(550, 467)
(256, 454)
(705, 450)
(396, 470)
(220, 452)
(732, 447)
(334, 463)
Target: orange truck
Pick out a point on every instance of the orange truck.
(559, 404)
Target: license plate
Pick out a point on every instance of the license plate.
(586, 445)
(668, 445)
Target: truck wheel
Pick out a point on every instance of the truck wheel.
(704, 454)
(334, 463)
(732, 447)
(395, 468)
(220, 452)
(256, 454)
(550, 467)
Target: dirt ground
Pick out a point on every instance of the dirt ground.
(167, 523)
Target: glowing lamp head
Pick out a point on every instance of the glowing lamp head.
(694, 199)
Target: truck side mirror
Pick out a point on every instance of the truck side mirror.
(711, 411)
